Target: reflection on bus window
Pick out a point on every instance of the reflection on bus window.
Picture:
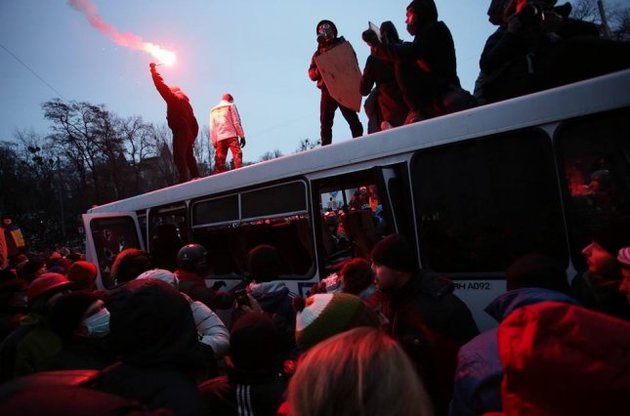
(351, 219)
(594, 154)
(483, 203)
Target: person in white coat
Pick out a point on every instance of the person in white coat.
(225, 131)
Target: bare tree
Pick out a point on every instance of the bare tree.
(307, 144)
(270, 155)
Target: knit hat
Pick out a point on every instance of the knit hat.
(614, 235)
(161, 274)
(326, 314)
(82, 274)
(357, 275)
(624, 257)
(394, 252)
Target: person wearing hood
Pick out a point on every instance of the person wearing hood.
(225, 131)
(327, 39)
(153, 334)
(531, 279)
(182, 122)
(426, 69)
(424, 315)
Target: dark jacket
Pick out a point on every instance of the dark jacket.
(153, 333)
(390, 101)
(179, 113)
(431, 323)
(231, 396)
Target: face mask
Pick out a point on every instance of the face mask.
(97, 325)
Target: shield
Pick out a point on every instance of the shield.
(341, 74)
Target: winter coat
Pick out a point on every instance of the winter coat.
(179, 113)
(477, 387)
(390, 102)
(562, 359)
(211, 329)
(431, 323)
(600, 294)
(154, 335)
(225, 123)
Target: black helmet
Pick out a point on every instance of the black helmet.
(189, 255)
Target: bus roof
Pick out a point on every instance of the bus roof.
(590, 96)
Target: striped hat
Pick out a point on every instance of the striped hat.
(326, 314)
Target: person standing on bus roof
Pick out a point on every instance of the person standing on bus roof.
(225, 130)
(183, 124)
(424, 315)
(327, 39)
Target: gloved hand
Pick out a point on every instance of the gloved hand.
(152, 66)
(370, 37)
(243, 142)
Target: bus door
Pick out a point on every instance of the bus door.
(107, 235)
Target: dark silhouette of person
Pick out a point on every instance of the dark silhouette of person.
(183, 124)
(391, 109)
(426, 69)
(327, 39)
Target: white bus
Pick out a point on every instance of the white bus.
(472, 191)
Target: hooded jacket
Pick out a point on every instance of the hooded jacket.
(179, 113)
(225, 123)
(479, 372)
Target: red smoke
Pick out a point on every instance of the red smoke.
(128, 40)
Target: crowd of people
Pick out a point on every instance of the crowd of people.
(381, 336)
(536, 46)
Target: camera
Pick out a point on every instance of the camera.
(241, 297)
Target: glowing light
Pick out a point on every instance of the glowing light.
(164, 56)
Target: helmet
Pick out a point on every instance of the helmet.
(45, 284)
(189, 255)
(327, 24)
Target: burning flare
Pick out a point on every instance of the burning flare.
(128, 40)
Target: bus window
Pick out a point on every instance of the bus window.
(482, 203)
(594, 154)
(111, 235)
(167, 234)
(351, 217)
(230, 226)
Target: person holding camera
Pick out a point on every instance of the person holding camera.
(327, 39)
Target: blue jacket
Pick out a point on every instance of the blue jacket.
(477, 387)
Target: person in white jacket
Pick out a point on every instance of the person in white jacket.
(225, 131)
(211, 329)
